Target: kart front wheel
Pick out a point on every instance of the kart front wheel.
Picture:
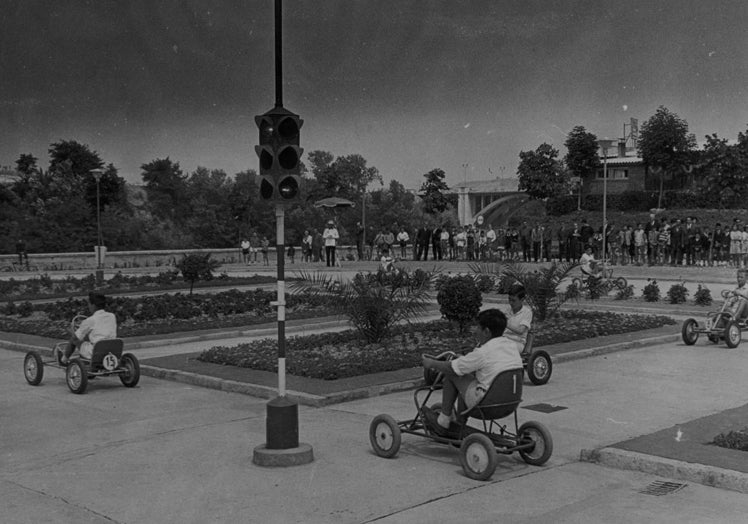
(478, 456)
(76, 377)
(689, 333)
(539, 367)
(621, 283)
(732, 334)
(33, 368)
(385, 436)
(538, 434)
(131, 376)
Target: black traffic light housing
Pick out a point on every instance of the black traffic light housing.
(280, 155)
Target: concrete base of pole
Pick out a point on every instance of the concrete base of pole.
(303, 454)
(282, 447)
(99, 277)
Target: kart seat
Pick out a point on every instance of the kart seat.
(502, 397)
(103, 347)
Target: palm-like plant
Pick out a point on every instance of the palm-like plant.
(373, 302)
(541, 285)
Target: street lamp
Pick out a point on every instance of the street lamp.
(605, 144)
(99, 240)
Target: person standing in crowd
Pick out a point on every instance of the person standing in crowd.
(436, 247)
(360, 240)
(245, 251)
(331, 236)
(389, 240)
(678, 242)
(470, 245)
(306, 247)
(461, 242)
(254, 245)
(490, 242)
(403, 238)
(653, 237)
(317, 245)
(23, 256)
(586, 232)
(716, 247)
(561, 238)
(690, 240)
(423, 239)
(640, 241)
(525, 238)
(444, 242)
(535, 240)
(663, 243)
(574, 243)
(649, 226)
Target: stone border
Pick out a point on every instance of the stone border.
(668, 468)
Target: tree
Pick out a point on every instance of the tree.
(432, 193)
(346, 176)
(581, 156)
(665, 145)
(166, 186)
(26, 164)
(541, 174)
(725, 166)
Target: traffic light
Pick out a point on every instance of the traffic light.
(280, 155)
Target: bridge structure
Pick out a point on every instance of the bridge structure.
(496, 200)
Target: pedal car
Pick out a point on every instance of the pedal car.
(537, 363)
(479, 446)
(718, 325)
(106, 360)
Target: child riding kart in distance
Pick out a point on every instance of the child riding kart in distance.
(588, 264)
(737, 300)
(101, 325)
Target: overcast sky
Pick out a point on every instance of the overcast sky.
(410, 85)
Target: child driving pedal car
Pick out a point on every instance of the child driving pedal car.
(468, 377)
(101, 325)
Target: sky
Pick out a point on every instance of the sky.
(412, 86)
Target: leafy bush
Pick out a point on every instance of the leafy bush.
(197, 266)
(25, 309)
(484, 283)
(677, 293)
(625, 293)
(596, 288)
(10, 308)
(651, 291)
(573, 292)
(373, 302)
(460, 300)
(703, 296)
(733, 440)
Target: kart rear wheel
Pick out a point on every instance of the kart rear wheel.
(539, 434)
(76, 377)
(478, 456)
(621, 283)
(577, 283)
(539, 367)
(131, 376)
(33, 368)
(385, 436)
(689, 333)
(732, 334)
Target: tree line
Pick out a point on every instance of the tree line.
(667, 149)
(54, 208)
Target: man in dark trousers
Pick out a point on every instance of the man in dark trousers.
(436, 238)
(423, 238)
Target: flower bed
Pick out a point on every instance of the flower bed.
(332, 356)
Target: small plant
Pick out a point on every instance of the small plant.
(625, 293)
(197, 266)
(573, 292)
(651, 291)
(460, 300)
(733, 440)
(703, 296)
(484, 282)
(677, 293)
(10, 308)
(596, 288)
(25, 309)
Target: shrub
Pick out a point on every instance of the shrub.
(733, 440)
(10, 308)
(703, 296)
(485, 283)
(197, 266)
(625, 293)
(651, 291)
(460, 300)
(573, 292)
(25, 309)
(373, 302)
(596, 288)
(677, 293)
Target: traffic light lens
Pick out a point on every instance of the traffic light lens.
(288, 158)
(288, 129)
(266, 189)
(266, 160)
(288, 188)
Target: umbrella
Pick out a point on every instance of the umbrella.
(334, 202)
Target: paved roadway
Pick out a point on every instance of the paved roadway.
(171, 453)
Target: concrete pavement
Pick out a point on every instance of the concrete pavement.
(169, 452)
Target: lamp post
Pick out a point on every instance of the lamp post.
(99, 240)
(605, 144)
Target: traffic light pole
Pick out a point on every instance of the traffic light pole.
(282, 447)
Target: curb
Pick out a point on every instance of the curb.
(663, 467)
(613, 348)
